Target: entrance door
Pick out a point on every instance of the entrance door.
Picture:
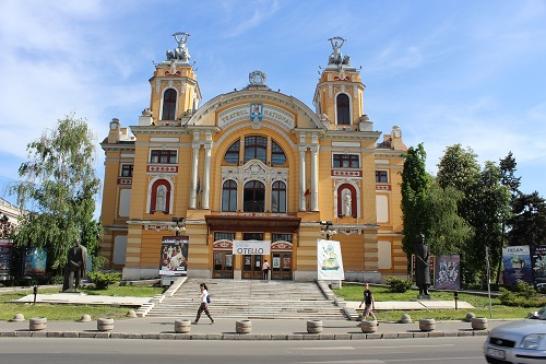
(281, 266)
(252, 267)
(223, 264)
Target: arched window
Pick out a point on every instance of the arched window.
(232, 154)
(278, 197)
(161, 196)
(343, 110)
(346, 201)
(255, 148)
(254, 197)
(278, 158)
(229, 196)
(169, 105)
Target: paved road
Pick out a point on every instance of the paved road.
(83, 351)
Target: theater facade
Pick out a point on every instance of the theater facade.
(253, 164)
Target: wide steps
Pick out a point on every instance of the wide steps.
(250, 299)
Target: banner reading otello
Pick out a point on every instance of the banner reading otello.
(251, 247)
(329, 261)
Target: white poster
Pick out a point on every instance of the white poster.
(251, 247)
(329, 261)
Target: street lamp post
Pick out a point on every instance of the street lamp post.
(180, 225)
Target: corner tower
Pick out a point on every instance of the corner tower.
(175, 92)
(339, 93)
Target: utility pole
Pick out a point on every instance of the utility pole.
(488, 279)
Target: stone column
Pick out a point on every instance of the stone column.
(194, 170)
(206, 177)
(302, 150)
(314, 177)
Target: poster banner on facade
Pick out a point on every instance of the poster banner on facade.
(447, 272)
(6, 247)
(329, 261)
(174, 255)
(251, 247)
(538, 258)
(35, 262)
(516, 261)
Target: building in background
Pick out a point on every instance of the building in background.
(253, 164)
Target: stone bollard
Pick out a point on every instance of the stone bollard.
(469, 316)
(405, 319)
(182, 326)
(38, 323)
(314, 326)
(105, 324)
(131, 314)
(427, 324)
(19, 317)
(243, 327)
(85, 318)
(368, 327)
(479, 323)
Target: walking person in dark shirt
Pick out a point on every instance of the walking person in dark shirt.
(369, 304)
(205, 300)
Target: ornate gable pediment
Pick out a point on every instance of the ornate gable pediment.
(255, 113)
(254, 170)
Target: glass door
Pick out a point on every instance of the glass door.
(281, 266)
(223, 264)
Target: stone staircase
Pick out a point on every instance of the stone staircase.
(250, 299)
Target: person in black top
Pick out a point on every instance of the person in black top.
(369, 304)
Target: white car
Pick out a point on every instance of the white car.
(518, 342)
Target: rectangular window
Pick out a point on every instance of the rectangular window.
(126, 170)
(381, 177)
(346, 161)
(224, 236)
(163, 156)
(281, 237)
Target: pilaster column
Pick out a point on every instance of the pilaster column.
(314, 177)
(194, 170)
(206, 177)
(302, 150)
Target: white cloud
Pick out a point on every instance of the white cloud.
(249, 15)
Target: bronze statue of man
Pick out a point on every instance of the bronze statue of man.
(75, 268)
(422, 275)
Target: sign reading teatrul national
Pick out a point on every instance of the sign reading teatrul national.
(251, 247)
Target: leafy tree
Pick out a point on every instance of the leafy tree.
(415, 185)
(488, 207)
(508, 168)
(58, 182)
(528, 224)
(458, 168)
(446, 231)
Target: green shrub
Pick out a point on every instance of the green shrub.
(398, 285)
(522, 295)
(103, 279)
(99, 263)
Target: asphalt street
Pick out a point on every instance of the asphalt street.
(96, 351)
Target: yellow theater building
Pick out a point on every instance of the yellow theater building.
(253, 164)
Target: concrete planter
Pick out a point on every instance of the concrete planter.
(182, 326)
(85, 318)
(479, 323)
(405, 319)
(131, 314)
(368, 327)
(427, 324)
(105, 324)
(243, 327)
(469, 316)
(37, 323)
(314, 326)
(19, 317)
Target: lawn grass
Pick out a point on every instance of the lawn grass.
(353, 292)
(72, 312)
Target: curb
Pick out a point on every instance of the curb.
(246, 337)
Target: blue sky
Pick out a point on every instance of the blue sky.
(446, 72)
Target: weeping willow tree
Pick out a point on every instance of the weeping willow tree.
(57, 184)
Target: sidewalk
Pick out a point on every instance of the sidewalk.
(224, 329)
